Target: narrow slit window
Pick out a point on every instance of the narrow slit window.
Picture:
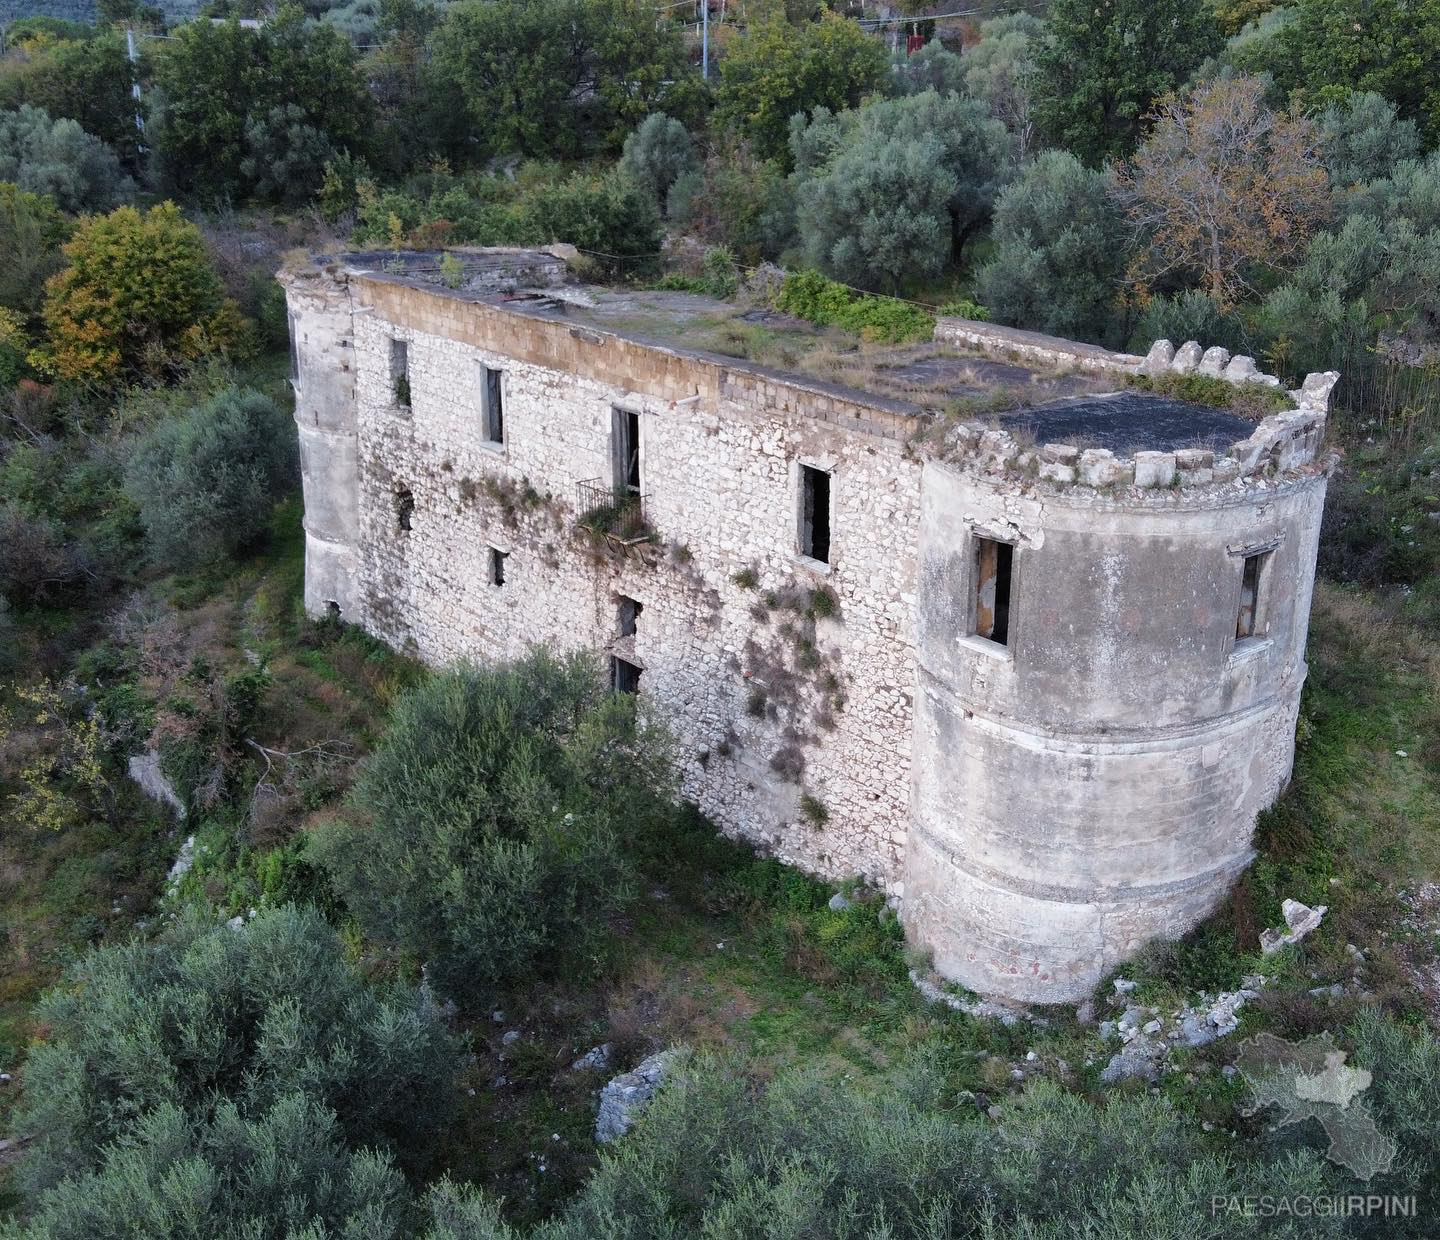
(815, 513)
(624, 675)
(404, 508)
(400, 371)
(1247, 619)
(994, 565)
(294, 355)
(494, 406)
(625, 445)
(497, 566)
(629, 613)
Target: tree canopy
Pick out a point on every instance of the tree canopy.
(139, 294)
(889, 192)
(1103, 64)
(215, 80)
(775, 71)
(1059, 258)
(559, 78)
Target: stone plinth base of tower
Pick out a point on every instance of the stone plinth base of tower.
(1040, 946)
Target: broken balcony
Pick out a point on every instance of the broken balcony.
(616, 513)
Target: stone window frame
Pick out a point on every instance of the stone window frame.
(827, 466)
(1258, 639)
(972, 639)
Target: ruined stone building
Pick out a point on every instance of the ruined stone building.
(991, 622)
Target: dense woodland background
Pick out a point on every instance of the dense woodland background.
(416, 864)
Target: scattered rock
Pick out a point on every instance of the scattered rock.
(511, 1037)
(594, 1059)
(1138, 1059)
(183, 863)
(982, 1008)
(624, 1097)
(237, 922)
(1085, 1013)
(838, 903)
(1300, 919)
(145, 770)
(1123, 985)
(498, 1016)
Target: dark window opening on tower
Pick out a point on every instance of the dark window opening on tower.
(497, 566)
(994, 562)
(624, 675)
(404, 507)
(1247, 621)
(815, 513)
(294, 354)
(630, 610)
(494, 407)
(625, 446)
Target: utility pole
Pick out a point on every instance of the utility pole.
(133, 52)
(705, 38)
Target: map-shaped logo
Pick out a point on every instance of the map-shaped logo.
(1309, 1080)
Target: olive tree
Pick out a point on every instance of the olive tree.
(1059, 253)
(891, 191)
(495, 817)
(206, 482)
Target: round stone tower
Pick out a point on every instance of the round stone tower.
(323, 375)
(1108, 682)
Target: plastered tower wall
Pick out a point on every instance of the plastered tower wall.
(1094, 784)
(1037, 811)
(323, 376)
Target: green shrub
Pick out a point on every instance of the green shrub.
(58, 158)
(249, 1016)
(1251, 399)
(658, 152)
(610, 215)
(809, 295)
(283, 1171)
(205, 482)
(720, 278)
(497, 811)
(735, 200)
(1191, 315)
(722, 1151)
(964, 308)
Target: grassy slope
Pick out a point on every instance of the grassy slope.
(725, 950)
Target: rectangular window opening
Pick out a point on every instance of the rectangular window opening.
(815, 513)
(1247, 620)
(624, 675)
(400, 371)
(994, 563)
(629, 613)
(494, 407)
(625, 445)
(497, 566)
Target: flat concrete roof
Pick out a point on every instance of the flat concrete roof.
(1129, 422)
(927, 379)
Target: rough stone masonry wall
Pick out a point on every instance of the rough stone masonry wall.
(767, 703)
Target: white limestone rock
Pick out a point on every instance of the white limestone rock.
(1187, 357)
(627, 1095)
(1158, 360)
(1213, 361)
(1300, 919)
